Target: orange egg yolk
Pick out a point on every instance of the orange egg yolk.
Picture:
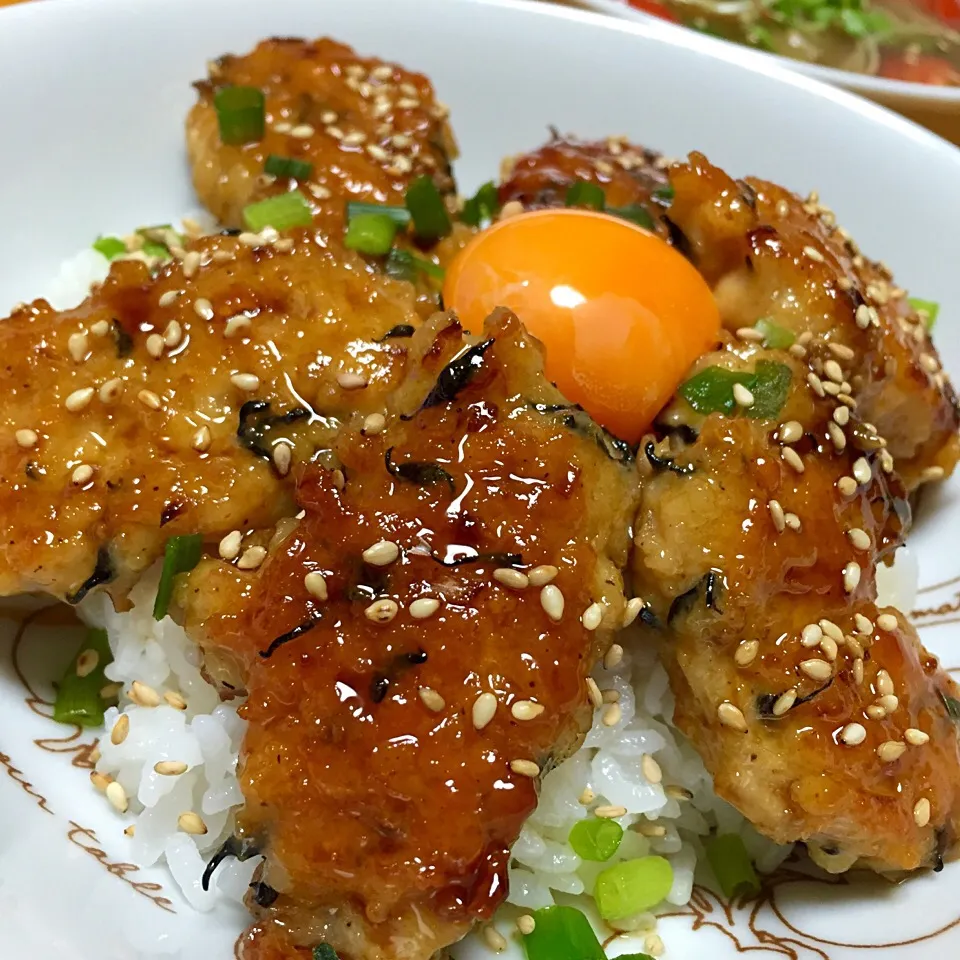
(621, 314)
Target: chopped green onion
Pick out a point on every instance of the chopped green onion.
(595, 839)
(731, 866)
(323, 951)
(482, 206)
(635, 214)
(240, 114)
(774, 337)
(928, 310)
(634, 956)
(632, 886)
(180, 555)
(399, 215)
(951, 705)
(78, 697)
(110, 247)
(288, 167)
(371, 233)
(711, 390)
(665, 193)
(154, 243)
(403, 265)
(562, 933)
(280, 212)
(426, 206)
(583, 194)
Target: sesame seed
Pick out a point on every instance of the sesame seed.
(77, 346)
(382, 553)
(302, 131)
(248, 382)
(846, 399)
(610, 812)
(750, 334)
(921, 812)
(169, 298)
(829, 647)
(351, 381)
(316, 585)
(120, 730)
(587, 796)
(143, 695)
(79, 399)
(783, 208)
(841, 416)
(915, 737)
(792, 521)
(742, 396)
(282, 127)
(100, 781)
(796, 350)
(612, 714)
(354, 139)
(813, 254)
(790, 432)
(776, 515)
(483, 710)
(203, 308)
(252, 557)
(847, 486)
(811, 635)
(282, 458)
(875, 712)
(927, 361)
(816, 384)
(238, 324)
(593, 692)
(859, 538)
(832, 389)
(494, 939)
(731, 716)
(423, 608)
(632, 610)
(861, 470)
(525, 768)
(831, 630)
(26, 438)
(651, 769)
(932, 473)
(851, 576)
(191, 263)
(891, 750)
(408, 103)
(149, 399)
(614, 657)
(863, 316)
(551, 599)
(864, 625)
(191, 823)
(890, 702)
(173, 334)
(87, 662)
(526, 924)
(170, 768)
(611, 696)
(884, 683)
(591, 619)
(229, 548)
(888, 622)
(792, 458)
(400, 165)
(836, 435)
(526, 710)
(100, 329)
(746, 652)
(175, 700)
(886, 461)
(374, 424)
(854, 646)
(110, 390)
(841, 350)
(377, 152)
(511, 578)
(155, 345)
(117, 797)
(853, 734)
(110, 691)
(431, 699)
(858, 671)
(382, 611)
(542, 574)
(816, 669)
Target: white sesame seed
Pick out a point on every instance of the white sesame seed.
(149, 399)
(245, 239)
(811, 635)
(792, 521)
(117, 797)
(836, 435)
(79, 399)
(861, 470)
(424, 607)
(851, 576)
(891, 750)
(168, 298)
(593, 692)
(155, 345)
(829, 647)
(511, 578)
(853, 734)
(175, 700)
(354, 138)
(373, 424)
(252, 557)
(408, 103)
(792, 458)
(613, 657)
(77, 346)
(790, 432)
(170, 768)
(915, 737)
(191, 263)
(847, 486)
(203, 308)
(610, 812)
(831, 389)
(875, 712)
(813, 254)
(841, 416)
(120, 729)
(282, 458)
(82, 475)
(831, 630)
(750, 334)
(888, 622)
(248, 382)
(858, 671)
(541, 575)
(382, 611)
(201, 439)
(334, 132)
(302, 131)
(890, 703)
(816, 669)
(143, 695)
(377, 152)
(776, 515)
(611, 715)
(859, 538)
(229, 547)
(815, 384)
(841, 350)
(854, 646)
(592, 617)
(525, 768)
(483, 710)
(316, 585)
(431, 699)
(921, 812)
(587, 796)
(87, 662)
(632, 610)
(26, 438)
(884, 683)
(526, 709)
(742, 396)
(863, 316)
(494, 939)
(237, 325)
(929, 362)
(110, 691)
(731, 716)
(191, 823)
(173, 334)
(864, 625)
(783, 208)
(351, 381)
(651, 769)
(796, 350)
(382, 553)
(526, 924)
(551, 599)
(930, 474)
(110, 390)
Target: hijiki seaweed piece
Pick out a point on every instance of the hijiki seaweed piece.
(255, 420)
(421, 472)
(103, 573)
(231, 847)
(455, 376)
(297, 631)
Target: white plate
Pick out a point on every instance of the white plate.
(92, 118)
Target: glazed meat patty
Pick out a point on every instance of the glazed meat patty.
(415, 651)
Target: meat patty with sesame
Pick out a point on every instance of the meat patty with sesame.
(416, 651)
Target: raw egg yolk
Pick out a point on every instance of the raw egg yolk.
(621, 314)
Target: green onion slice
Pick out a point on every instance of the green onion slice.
(110, 247)
(288, 167)
(280, 212)
(403, 265)
(632, 886)
(774, 337)
(562, 933)
(634, 956)
(595, 839)
(928, 310)
(665, 193)
(583, 194)
(240, 114)
(323, 951)
(951, 705)
(427, 209)
(399, 215)
(181, 555)
(482, 207)
(371, 233)
(635, 214)
(78, 698)
(731, 866)
(711, 390)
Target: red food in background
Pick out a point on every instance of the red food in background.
(659, 10)
(920, 69)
